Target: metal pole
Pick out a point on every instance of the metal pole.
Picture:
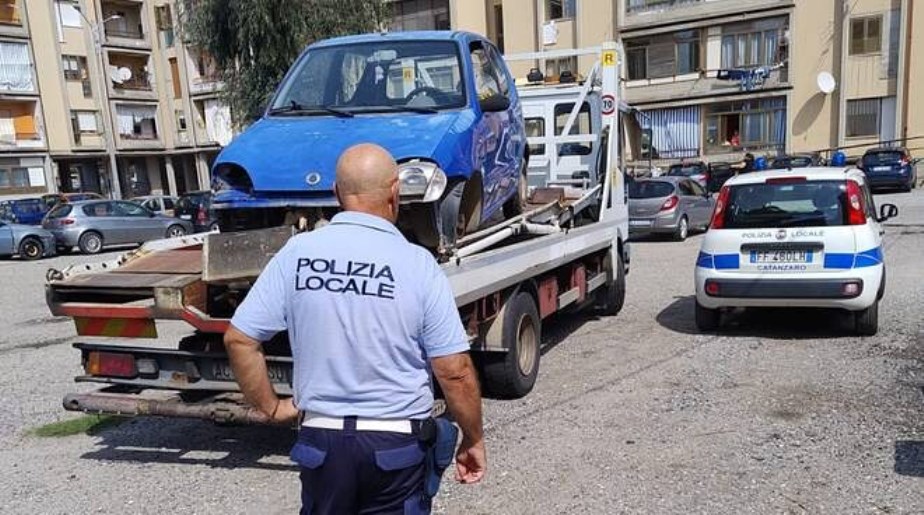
(115, 189)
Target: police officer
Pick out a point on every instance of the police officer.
(368, 315)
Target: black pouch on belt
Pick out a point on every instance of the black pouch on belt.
(440, 435)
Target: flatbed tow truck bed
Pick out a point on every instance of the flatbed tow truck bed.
(568, 251)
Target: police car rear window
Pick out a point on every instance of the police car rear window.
(801, 204)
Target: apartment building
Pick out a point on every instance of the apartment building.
(717, 78)
(109, 86)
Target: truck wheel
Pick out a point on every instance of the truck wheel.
(513, 374)
(31, 249)
(867, 321)
(612, 296)
(707, 320)
(90, 242)
(517, 203)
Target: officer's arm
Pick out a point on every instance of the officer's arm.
(249, 365)
(459, 382)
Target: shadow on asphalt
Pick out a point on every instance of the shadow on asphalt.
(559, 327)
(909, 458)
(195, 442)
(774, 323)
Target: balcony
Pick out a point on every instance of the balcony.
(136, 125)
(204, 75)
(649, 14)
(213, 124)
(640, 6)
(695, 86)
(129, 75)
(19, 126)
(124, 24)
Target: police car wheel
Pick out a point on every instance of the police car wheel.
(867, 321)
(512, 375)
(707, 320)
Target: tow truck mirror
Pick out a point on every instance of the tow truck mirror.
(494, 104)
(887, 211)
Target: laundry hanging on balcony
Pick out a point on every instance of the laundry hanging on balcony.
(15, 67)
(136, 120)
(218, 122)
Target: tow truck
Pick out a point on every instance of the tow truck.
(566, 251)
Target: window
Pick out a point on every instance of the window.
(15, 67)
(535, 128)
(698, 190)
(755, 124)
(137, 121)
(803, 204)
(68, 15)
(9, 12)
(180, 120)
(558, 9)
(129, 209)
(87, 121)
(863, 118)
(98, 209)
(419, 15)
(168, 203)
(581, 126)
(75, 67)
(175, 78)
(866, 35)
(486, 83)
(751, 45)
(664, 56)
(686, 189)
(497, 64)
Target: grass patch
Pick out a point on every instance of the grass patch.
(87, 424)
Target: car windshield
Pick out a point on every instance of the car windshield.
(374, 77)
(790, 204)
(650, 189)
(884, 157)
(60, 211)
(685, 170)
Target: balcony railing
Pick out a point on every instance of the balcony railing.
(125, 33)
(140, 81)
(639, 6)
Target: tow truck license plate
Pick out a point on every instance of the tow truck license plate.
(781, 256)
(277, 373)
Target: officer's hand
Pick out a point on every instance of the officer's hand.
(470, 462)
(286, 413)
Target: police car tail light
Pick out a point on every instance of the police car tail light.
(670, 203)
(712, 288)
(718, 215)
(856, 210)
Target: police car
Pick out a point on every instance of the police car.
(809, 237)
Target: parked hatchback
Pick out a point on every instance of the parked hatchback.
(195, 207)
(668, 205)
(93, 225)
(26, 241)
(786, 239)
(889, 167)
(28, 211)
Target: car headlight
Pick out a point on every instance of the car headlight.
(421, 181)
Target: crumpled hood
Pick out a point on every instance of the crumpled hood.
(279, 153)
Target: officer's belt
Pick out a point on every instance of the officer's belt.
(405, 426)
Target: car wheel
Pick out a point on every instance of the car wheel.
(683, 229)
(512, 374)
(517, 203)
(90, 242)
(176, 231)
(707, 320)
(866, 322)
(31, 248)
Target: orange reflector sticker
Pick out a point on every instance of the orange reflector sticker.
(116, 327)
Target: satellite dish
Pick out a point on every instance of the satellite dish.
(115, 76)
(125, 74)
(826, 83)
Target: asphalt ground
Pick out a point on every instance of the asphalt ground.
(783, 412)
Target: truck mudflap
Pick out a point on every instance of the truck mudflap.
(225, 408)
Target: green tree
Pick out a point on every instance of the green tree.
(254, 42)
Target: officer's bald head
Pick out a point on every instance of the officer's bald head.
(367, 181)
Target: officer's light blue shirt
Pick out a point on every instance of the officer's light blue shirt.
(365, 310)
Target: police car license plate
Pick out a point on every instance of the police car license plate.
(781, 256)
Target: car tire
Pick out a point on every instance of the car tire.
(612, 296)
(707, 320)
(683, 229)
(515, 205)
(90, 242)
(866, 322)
(512, 374)
(31, 248)
(176, 231)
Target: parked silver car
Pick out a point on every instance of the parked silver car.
(26, 241)
(669, 205)
(93, 225)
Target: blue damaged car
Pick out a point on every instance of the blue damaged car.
(443, 103)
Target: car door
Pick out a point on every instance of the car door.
(143, 223)
(6, 239)
(101, 217)
(688, 201)
(491, 148)
(703, 205)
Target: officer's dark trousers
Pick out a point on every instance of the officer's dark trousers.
(349, 471)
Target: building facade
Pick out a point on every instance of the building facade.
(718, 78)
(97, 86)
